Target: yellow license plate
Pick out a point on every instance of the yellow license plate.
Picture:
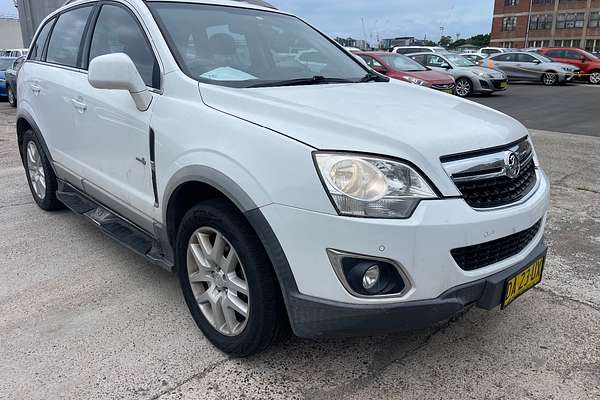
(503, 85)
(523, 281)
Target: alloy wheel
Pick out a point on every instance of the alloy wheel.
(11, 97)
(595, 78)
(550, 79)
(463, 88)
(36, 170)
(218, 281)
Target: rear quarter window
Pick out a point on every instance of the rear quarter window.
(38, 46)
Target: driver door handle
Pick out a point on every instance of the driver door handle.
(79, 105)
(35, 89)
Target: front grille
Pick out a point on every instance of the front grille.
(498, 83)
(437, 86)
(482, 255)
(499, 191)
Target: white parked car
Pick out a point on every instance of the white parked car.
(488, 51)
(418, 49)
(334, 203)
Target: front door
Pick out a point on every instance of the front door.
(113, 135)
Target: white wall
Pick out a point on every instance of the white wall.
(10, 34)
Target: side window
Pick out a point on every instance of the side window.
(371, 62)
(420, 59)
(64, 44)
(556, 54)
(572, 55)
(40, 41)
(117, 31)
(435, 61)
(526, 58)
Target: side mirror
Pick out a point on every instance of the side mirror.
(117, 72)
(536, 61)
(583, 59)
(446, 66)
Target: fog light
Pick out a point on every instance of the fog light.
(371, 277)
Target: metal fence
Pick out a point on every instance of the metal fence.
(32, 12)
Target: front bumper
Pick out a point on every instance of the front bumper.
(312, 318)
(488, 85)
(420, 245)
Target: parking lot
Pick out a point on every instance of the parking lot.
(82, 317)
(569, 108)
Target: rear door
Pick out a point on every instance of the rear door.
(55, 83)
(506, 63)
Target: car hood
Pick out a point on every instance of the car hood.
(396, 119)
(560, 66)
(430, 76)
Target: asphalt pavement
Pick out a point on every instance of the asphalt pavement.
(572, 108)
(81, 317)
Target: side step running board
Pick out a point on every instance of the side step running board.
(113, 225)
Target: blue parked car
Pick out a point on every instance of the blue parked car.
(5, 63)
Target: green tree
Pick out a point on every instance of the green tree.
(445, 41)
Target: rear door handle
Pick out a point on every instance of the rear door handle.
(79, 105)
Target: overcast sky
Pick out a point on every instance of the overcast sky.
(388, 18)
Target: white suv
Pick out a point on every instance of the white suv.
(281, 191)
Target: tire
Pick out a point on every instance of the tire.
(210, 298)
(595, 77)
(464, 87)
(12, 99)
(550, 78)
(40, 175)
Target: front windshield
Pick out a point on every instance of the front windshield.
(240, 47)
(6, 63)
(589, 55)
(460, 61)
(402, 63)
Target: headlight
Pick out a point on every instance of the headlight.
(414, 80)
(366, 186)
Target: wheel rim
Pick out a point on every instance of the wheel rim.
(36, 170)
(11, 96)
(595, 78)
(549, 79)
(218, 281)
(463, 88)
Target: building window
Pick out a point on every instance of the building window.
(567, 43)
(592, 45)
(594, 19)
(538, 43)
(540, 22)
(570, 20)
(509, 24)
(511, 2)
(540, 2)
(507, 45)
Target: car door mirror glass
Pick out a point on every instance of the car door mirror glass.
(118, 72)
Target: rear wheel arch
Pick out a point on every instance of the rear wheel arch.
(24, 123)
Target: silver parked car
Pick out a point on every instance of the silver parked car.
(532, 67)
(470, 77)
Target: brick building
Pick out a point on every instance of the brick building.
(538, 23)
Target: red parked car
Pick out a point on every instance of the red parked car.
(588, 63)
(399, 66)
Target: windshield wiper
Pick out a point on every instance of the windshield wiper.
(372, 77)
(314, 80)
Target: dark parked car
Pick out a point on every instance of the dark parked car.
(11, 80)
(5, 63)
